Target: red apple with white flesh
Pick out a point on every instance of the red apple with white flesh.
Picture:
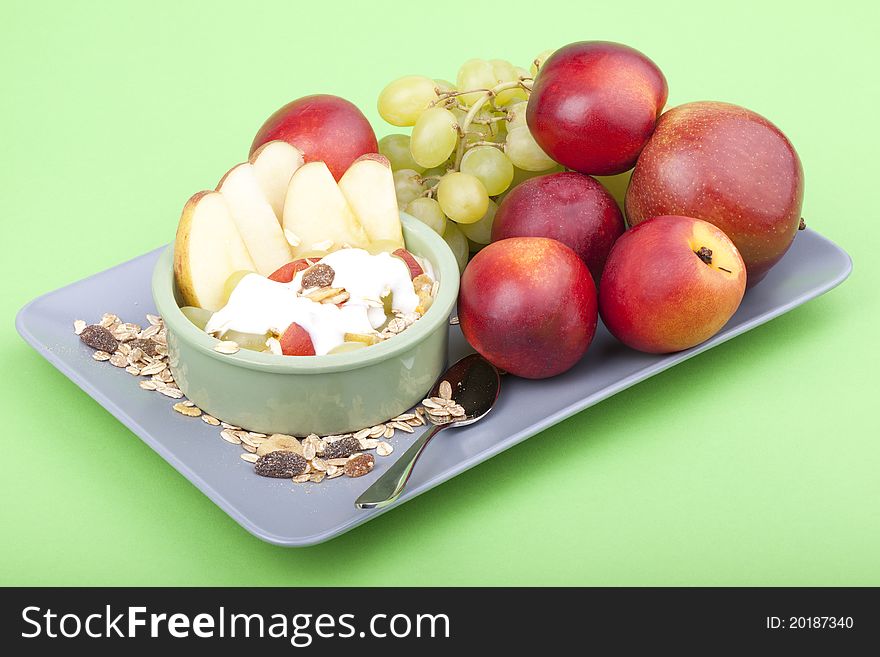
(325, 128)
(368, 186)
(415, 269)
(207, 250)
(528, 305)
(296, 341)
(286, 273)
(671, 283)
(274, 163)
(317, 213)
(569, 207)
(254, 218)
(594, 105)
(729, 166)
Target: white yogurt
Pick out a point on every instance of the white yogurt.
(258, 305)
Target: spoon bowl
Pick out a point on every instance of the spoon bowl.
(475, 384)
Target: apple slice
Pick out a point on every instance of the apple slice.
(317, 213)
(254, 218)
(274, 164)
(415, 269)
(296, 341)
(289, 271)
(207, 250)
(368, 186)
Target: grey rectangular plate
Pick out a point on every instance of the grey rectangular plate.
(284, 513)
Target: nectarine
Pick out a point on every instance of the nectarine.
(670, 283)
(594, 105)
(528, 305)
(569, 207)
(325, 128)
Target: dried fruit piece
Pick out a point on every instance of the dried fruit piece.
(360, 465)
(319, 275)
(100, 338)
(280, 442)
(280, 464)
(342, 448)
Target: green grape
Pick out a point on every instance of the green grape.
(538, 62)
(462, 197)
(407, 186)
(434, 137)
(481, 231)
(445, 85)
(251, 341)
(504, 71)
(458, 243)
(524, 152)
(516, 116)
(346, 347)
(474, 74)
(402, 102)
(490, 166)
(198, 316)
(476, 131)
(396, 149)
(231, 282)
(428, 211)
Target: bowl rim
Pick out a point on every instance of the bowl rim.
(437, 252)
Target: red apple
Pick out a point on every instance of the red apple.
(325, 128)
(415, 269)
(528, 305)
(296, 341)
(286, 273)
(729, 166)
(594, 105)
(670, 283)
(569, 207)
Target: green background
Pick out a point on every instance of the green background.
(755, 463)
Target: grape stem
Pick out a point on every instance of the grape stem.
(487, 95)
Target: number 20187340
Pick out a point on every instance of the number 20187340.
(809, 623)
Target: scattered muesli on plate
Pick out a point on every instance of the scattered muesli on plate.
(143, 352)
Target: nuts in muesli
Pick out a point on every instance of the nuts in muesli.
(319, 275)
(358, 466)
(280, 464)
(342, 448)
(147, 346)
(99, 337)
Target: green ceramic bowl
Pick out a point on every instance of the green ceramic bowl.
(299, 395)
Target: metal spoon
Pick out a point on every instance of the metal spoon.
(475, 387)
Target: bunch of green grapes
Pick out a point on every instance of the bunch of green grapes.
(469, 146)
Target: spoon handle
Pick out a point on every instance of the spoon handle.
(389, 486)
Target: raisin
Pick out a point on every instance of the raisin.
(280, 464)
(100, 338)
(360, 465)
(320, 275)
